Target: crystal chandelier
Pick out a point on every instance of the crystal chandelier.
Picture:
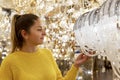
(99, 31)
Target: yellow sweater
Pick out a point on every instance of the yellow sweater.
(39, 65)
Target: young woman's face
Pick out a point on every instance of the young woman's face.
(37, 33)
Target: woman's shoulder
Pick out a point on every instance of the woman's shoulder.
(46, 51)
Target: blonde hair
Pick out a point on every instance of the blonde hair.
(19, 23)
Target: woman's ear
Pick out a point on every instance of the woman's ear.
(24, 34)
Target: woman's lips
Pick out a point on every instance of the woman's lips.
(42, 38)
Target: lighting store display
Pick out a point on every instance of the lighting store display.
(99, 31)
(58, 18)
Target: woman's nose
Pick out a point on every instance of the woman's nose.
(43, 32)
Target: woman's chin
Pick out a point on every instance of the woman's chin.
(40, 42)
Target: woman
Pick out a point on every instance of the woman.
(27, 61)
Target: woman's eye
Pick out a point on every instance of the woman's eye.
(39, 29)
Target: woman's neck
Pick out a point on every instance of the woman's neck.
(28, 48)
